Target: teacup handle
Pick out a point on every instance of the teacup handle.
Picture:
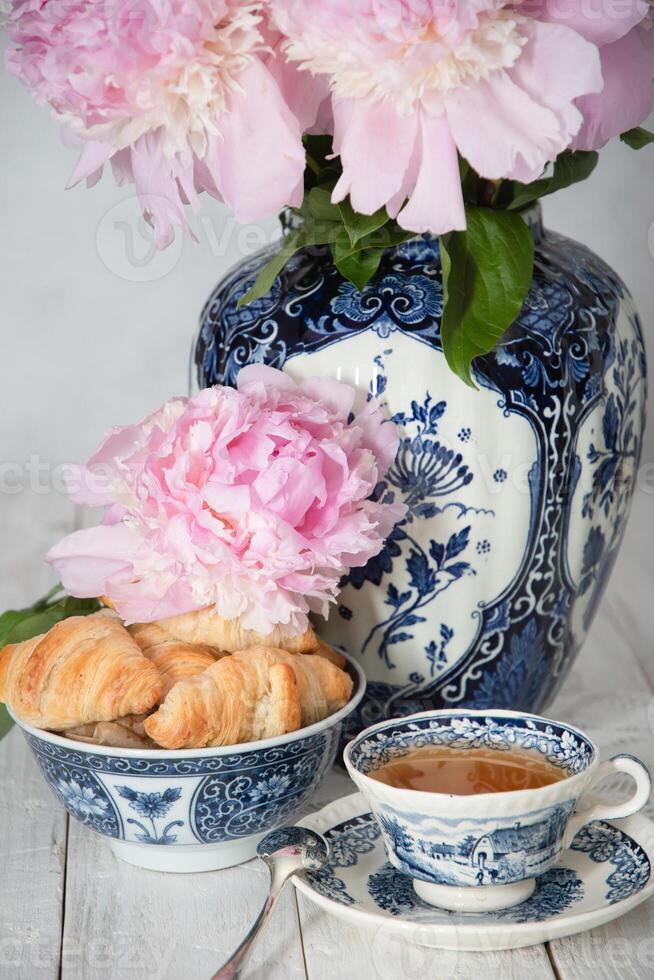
(619, 763)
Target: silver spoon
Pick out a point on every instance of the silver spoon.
(287, 852)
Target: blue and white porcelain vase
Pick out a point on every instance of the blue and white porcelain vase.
(518, 492)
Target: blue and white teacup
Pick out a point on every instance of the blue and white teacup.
(483, 852)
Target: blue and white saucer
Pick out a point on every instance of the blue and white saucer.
(607, 872)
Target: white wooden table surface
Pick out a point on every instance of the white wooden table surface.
(69, 909)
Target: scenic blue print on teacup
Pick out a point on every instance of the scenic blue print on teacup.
(472, 852)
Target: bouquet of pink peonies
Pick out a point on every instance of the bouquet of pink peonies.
(254, 501)
(375, 120)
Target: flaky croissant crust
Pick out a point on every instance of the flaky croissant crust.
(85, 669)
(175, 660)
(206, 626)
(246, 697)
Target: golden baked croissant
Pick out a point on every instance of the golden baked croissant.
(85, 669)
(238, 699)
(324, 650)
(253, 694)
(206, 626)
(174, 659)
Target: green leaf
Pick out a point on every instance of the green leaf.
(311, 233)
(47, 599)
(262, 285)
(317, 207)
(9, 620)
(359, 226)
(470, 181)
(637, 138)
(358, 265)
(17, 625)
(569, 168)
(5, 721)
(38, 622)
(487, 271)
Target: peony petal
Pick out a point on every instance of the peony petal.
(375, 144)
(158, 190)
(337, 398)
(247, 499)
(628, 95)
(85, 559)
(93, 157)
(501, 131)
(601, 22)
(90, 486)
(380, 434)
(121, 167)
(148, 600)
(262, 374)
(307, 95)
(289, 487)
(556, 67)
(436, 202)
(258, 160)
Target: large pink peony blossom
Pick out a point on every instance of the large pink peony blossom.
(256, 500)
(177, 95)
(413, 81)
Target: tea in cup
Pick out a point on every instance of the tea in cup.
(474, 805)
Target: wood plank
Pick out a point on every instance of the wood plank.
(34, 825)
(334, 949)
(122, 921)
(32, 858)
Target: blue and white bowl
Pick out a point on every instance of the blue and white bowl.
(484, 852)
(191, 809)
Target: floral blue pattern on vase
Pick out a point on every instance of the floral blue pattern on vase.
(517, 493)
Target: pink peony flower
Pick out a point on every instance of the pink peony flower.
(177, 95)
(626, 43)
(255, 500)
(413, 81)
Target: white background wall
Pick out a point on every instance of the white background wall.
(91, 338)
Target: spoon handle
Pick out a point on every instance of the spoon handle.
(232, 969)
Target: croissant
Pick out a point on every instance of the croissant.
(254, 694)
(206, 626)
(85, 669)
(324, 650)
(174, 660)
